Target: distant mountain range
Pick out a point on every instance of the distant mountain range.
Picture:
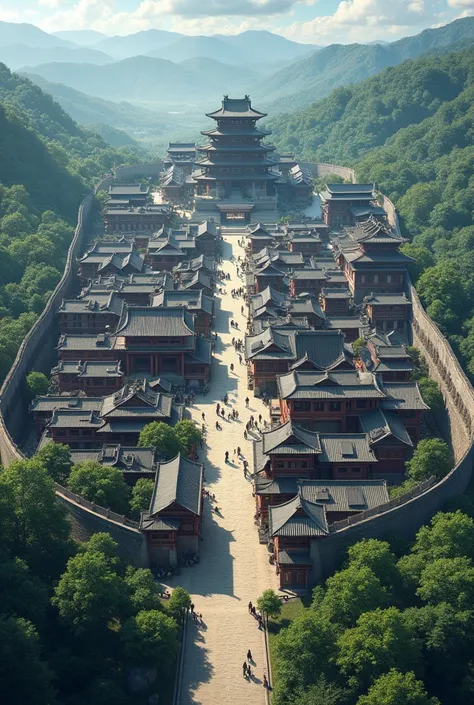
(302, 83)
(17, 55)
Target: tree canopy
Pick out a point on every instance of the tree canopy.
(163, 438)
(100, 484)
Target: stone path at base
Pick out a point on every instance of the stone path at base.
(234, 568)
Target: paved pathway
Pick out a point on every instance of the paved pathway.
(234, 567)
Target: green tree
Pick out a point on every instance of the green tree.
(144, 593)
(380, 641)
(56, 458)
(395, 688)
(304, 652)
(36, 528)
(269, 603)
(422, 257)
(351, 592)
(448, 580)
(142, 493)
(179, 602)
(358, 344)
(100, 484)
(151, 638)
(322, 693)
(90, 594)
(376, 555)
(25, 678)
(431, 394)
(37, 384)
(188, 435)
(162, 437)
(450, 535)
(432, 456)
(21, 593)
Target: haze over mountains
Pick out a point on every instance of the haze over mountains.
(98, 78)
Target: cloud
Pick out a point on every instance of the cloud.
(226, 8)
(469, 4)
(53, 4)
(358, 20)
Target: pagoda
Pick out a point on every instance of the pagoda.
(236, 173)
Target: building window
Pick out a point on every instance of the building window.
(302, 405)
(334, 406)
(342, 471)
(318, 406)
(361, 403)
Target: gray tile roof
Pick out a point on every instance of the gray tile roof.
(403, 396)
(290, 439)
(178, 480)
(341, 496)
(200, 278)
(137, 399)
(294, 557)
(298, 518)
(144, 321)
(308, 274)
(324, 348)
(380, 425)
(346, 448)
(50, 403)
(89, 368)
(335, 293)
(202, 352)
(336, 384)
(342, 322)
(125, 458)
(194, 300)
(388, 300)
(276, 485)
(70, 418)
(100, 341)
(99, 303)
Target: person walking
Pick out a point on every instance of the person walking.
(250, 607)
(249, 672)
(218, 407)
(239, 452)
(247, 401)
(203, 416)
(227, 456)
(244, 669)
(242, 310)
(265, 682)
(249, 656)
(223, 413)
(245, 435)
(231, 366)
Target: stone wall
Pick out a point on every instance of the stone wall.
(126, 173)
(320, 170)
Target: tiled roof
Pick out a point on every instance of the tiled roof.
(178, 480)
(380, 425)
(388, 300)
(85, 342)
(337, 384)
(194, 300)
(236, 108)
(307, 274)
(105, 302)
(290, 439)
(200, 277)
(137, 399)
(341, 496)
(403, 396)
(144, 321)
(346, 448)
(335, 293)
(50, 403)
(127, 459)
(323, 348)
(89, 368)
(294, 557)
(298, 518)
(202, 352)
(276, 485)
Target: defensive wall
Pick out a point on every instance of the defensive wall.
(400, 517)
(320, 170)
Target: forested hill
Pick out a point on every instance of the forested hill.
(355, 119)
(47, 165)
(43, 148)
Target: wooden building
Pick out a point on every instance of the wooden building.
(128, 195)
(134, 463)
(335, 302)
(338, 201)
(273, 353)
(94, 378)
(259, 237)
(181, 154)
(387, 312)
(235, 172)
(94, 314)
(172, 523)
(370, 258)
(200, 305)
(134, 289)
(133, 219)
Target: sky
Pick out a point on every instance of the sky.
(310, 21)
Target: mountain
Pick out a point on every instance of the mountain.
(341, 65)
(13, 33)
(353, 120)
(114, 137)
(261, 45)
(83, 37)
(251, 48)
(17, 55)
(154, 81)
(194, 47)
(124, 117)
(137, 44)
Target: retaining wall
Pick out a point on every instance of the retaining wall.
(320, 170)
(401, 520)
